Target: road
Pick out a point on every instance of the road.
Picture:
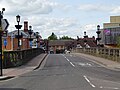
(65, 72)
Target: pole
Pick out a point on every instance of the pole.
(18, 38)
(1, 51)
(12, 41)
(1, 44)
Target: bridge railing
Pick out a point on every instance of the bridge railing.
(108, 53)
(20, 57)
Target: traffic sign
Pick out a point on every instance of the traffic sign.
(5, 42)
(5, 24)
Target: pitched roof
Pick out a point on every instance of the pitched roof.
(89, 41)
(15, 32)
(58, 42)
(25, 34)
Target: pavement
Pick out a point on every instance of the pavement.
(16, 71)
(109, 64)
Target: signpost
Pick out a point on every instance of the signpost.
(3, 26)
(1, 73)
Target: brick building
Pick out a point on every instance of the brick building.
(12, 41)
(58, 46)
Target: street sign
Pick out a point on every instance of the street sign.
(5, 42)
(30, 43)
(5, 24)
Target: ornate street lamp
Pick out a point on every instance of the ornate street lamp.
(1, 17)
(30, 31)
(18, 18)
(85, 39)
(18, 27)
(37, 36)
(98, 35)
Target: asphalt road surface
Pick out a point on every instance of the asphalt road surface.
(65, 72)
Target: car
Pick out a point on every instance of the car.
(51, 52)
(67, 51)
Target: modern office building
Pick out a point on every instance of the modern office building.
(110, 33)
(114, 22)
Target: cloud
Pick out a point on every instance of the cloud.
(25, 7)
(94, 8)
(38, 14)
(116, 10)
(57, 25)
(90, 29)
(53, 22)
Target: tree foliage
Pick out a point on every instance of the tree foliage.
(65, 38)
(52, 37)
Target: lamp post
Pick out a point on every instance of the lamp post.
(1, 17)
(30, 31)
(37, 36)
(98, 35)
(18, 27)
(85, 39)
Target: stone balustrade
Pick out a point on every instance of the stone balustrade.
(108, 53)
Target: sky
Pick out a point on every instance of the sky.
(63, 17)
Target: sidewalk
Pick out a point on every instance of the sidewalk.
(16, 71)
(101, 61)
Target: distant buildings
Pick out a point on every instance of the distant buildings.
(86, 42)
(111, 32)
(59, 46)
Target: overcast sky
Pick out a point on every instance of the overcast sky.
(63, 17)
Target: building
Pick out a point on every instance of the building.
(114, 22)
(11, 41)
(111, 32)
(59, 46)
(110, 35)
(85, 42)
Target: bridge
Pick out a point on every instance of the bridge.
(108, 53)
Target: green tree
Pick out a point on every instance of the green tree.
(52, 37)
(65, 38)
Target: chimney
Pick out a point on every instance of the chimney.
(25, 26)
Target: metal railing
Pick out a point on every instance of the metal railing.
(18, 58)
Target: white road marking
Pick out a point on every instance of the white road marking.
(69, 61)
(89, 81)
(84, 64)
(72, 64)
(109, 88)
